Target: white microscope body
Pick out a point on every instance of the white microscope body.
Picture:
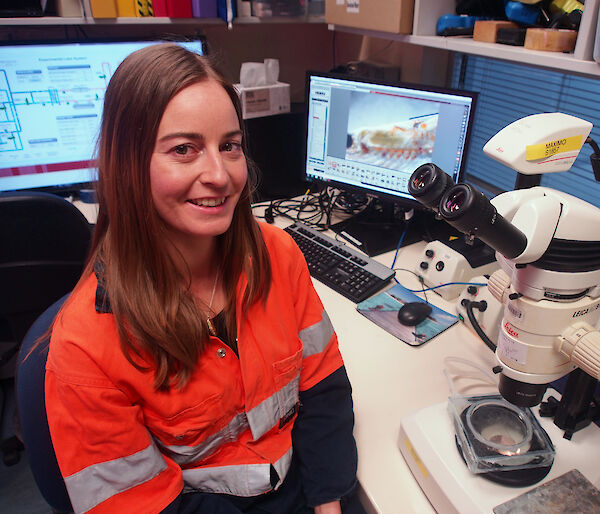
(550, 291)
(548, 247)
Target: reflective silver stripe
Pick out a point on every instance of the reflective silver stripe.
(187, 454)
(282, 466)
(267, 413)
(97, 483)
(316, 337)
(240, 480)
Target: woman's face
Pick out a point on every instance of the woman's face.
(198, 169)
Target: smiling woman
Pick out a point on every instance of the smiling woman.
(194, 354)
(198, 170)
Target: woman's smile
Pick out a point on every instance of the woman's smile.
(208, 202)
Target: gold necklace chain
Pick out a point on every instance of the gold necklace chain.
(211, 327)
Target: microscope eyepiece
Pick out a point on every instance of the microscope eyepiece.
(428, 183)
(471, 212)
(464, 206)
(466, 209)
(459, 200)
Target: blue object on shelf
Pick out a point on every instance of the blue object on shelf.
(522, 13)
(456, 24)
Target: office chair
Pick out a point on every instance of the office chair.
(31, 404)
(44, 242)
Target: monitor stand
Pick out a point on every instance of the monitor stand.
(377, 229)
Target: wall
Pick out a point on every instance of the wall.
(298, 46)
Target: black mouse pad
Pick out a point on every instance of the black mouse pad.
(382, 309)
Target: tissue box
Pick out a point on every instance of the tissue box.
(394, 16)
(264, 100)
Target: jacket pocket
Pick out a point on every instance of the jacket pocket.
(286, 376)
(188, 426)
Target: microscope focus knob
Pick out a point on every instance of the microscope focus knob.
(499, 285)
(581, 343)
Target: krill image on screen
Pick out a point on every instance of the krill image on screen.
(391, 132)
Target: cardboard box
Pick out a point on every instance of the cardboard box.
(394, 16)
(264, 100)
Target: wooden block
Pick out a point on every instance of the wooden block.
(487, 30)
(551, 40)
(69, 8)
(104, 8)
(126, 8)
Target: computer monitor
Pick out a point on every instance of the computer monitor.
(51, 100)
(368, 136)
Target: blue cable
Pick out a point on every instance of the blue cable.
(400, 241)
(448, 284)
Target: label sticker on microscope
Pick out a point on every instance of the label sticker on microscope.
(514, 312)
(550, 148)
(509, 347)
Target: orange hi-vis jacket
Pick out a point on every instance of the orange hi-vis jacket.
(124, 447)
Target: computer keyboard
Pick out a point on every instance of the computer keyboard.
(347, 271)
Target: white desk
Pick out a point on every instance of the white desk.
(89, 210)
(391, 379)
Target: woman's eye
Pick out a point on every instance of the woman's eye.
(232, 146)
(181, 149)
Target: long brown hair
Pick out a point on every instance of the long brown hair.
(155, 313)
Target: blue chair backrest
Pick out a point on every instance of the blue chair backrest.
(31, 405)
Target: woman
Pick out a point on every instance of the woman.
(193, 368)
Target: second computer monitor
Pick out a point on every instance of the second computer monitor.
(370, 136)
(51, 101)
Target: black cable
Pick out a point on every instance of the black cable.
(593, 144)
(316, 209)
(594, 158)
(307, 210)
(468, 305)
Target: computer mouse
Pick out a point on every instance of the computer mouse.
(413, 313)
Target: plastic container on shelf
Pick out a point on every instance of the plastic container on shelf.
(270, 8)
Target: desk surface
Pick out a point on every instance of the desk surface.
(391, 379)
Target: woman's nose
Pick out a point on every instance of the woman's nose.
(213, 169)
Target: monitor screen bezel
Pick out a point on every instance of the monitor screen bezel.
(71, 188)
(373, 193)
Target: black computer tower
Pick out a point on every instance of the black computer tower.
(278, 144)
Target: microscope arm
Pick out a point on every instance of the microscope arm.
(581, 343)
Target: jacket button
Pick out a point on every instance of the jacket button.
(221, 352)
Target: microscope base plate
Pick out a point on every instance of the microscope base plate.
(428, 446)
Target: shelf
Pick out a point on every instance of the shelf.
(44, 20)
(553, 60)
(427, 12)
(149, 20)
